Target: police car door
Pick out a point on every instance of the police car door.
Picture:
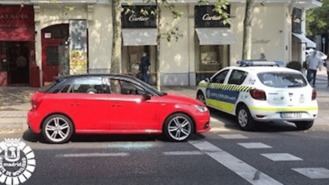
(235, 88)
(215, 93)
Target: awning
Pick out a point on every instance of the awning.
(306, 4)
(139, 37)
(309, 43)
(215, 36)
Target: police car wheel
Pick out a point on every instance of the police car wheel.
(201, 97)
(304, 125)
(244, 119)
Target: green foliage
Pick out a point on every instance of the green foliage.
(317, 20)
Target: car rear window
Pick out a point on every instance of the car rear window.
(282, 80)
(52, 87)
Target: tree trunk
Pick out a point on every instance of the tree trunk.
(117, 40)
(158, 18)
(247, 30)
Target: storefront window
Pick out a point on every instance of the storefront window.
(213, 58)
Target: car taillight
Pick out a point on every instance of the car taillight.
(258, 94)
(314, 94)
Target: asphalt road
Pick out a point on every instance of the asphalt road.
(225, 156)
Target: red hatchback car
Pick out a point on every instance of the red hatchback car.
(115, 104)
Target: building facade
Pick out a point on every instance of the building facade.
(52, 38)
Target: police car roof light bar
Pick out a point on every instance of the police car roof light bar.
(250, 63)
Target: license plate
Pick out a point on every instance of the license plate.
(291, 115)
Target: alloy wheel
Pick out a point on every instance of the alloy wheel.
(57, 129)
(179, 128)
(243, 118)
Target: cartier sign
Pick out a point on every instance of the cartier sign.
(135, 18)
(206, 16)
(138, 16)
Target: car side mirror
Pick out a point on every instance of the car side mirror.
(207, 80)
(146, 97)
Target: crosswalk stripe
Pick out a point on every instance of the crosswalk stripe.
(254, 145)
(313, 173)
(220, 129)
(281, 157)
(183, 153)
(244, 170)
(233, 136)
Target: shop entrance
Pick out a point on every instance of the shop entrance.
(132, 57)
(17, 55)
(55, 60)
(15, 61)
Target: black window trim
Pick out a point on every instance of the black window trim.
(148, 91)
(239, 70)
(215, 75)
(60, 83)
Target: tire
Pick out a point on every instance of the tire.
(57, 129)
(178, 127)
(244, 119)
(200, 96)
(304, 125)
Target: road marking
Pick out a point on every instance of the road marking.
(233, 136)
(244, 170)
(119, 154)
(183, 153)
(220, 129)
(281, 157)
(313, 173)
(132, 145)
(254, 145)
(216, 120)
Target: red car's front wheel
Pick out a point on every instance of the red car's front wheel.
(57, 129)
(178, 127)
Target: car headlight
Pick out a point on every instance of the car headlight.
(201, 108)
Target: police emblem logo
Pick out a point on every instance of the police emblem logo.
(17, 162)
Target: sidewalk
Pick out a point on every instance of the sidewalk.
(15, 102)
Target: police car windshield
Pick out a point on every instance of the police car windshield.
(282, 80)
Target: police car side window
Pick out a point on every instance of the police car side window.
(237, 77)
(220, 78)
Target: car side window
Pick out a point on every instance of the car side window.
(125, 87)
(237, 77)
(220, 77)
(90, 85)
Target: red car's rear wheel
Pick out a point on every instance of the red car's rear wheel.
(57, 129)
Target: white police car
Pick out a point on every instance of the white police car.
(261, 91)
